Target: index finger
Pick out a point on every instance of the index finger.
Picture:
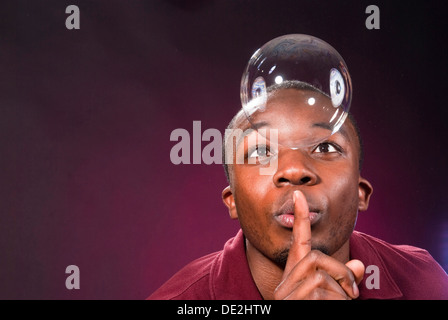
(301, 232)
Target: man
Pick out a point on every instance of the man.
(293, 162)
(297, 239)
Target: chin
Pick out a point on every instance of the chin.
(321, 248)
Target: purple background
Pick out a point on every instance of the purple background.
(86, 116)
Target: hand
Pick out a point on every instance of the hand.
(311, 274)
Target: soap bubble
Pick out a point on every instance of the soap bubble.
(322, 83)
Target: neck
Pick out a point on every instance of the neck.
(267, 274)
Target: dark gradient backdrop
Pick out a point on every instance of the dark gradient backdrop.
(86, 117)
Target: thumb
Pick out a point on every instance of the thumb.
(357, 268)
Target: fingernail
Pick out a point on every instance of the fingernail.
(355, 290)
(295, 195)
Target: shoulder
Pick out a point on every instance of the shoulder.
(189, 283)
(413, 270)
(222, 275)
(401, 252)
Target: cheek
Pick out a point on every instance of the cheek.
(249, 192)
(252, 201)
(346, 193)
(342, 188)
(343, 206)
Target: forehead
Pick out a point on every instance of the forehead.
(300, 116)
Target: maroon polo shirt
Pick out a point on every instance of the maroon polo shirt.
(399, 272)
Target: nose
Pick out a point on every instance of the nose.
(294, 168)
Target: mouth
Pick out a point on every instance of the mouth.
(285, 216)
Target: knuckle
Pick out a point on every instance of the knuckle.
(347, 278)
(315, 255)
(319, 278)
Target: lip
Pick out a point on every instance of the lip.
(287, 220)
(285, 216)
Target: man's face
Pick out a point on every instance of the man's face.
(327, 173)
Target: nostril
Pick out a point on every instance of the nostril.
(294, 175)
(305, 180)
(283, 180)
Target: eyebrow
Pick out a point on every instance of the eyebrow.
(252, 128)
(323, 125)
(329, 127)
(259, 125)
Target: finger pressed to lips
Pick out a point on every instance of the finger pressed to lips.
(301, 232)
(308, 269)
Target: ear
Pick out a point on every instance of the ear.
(365, 190)
(229, 201)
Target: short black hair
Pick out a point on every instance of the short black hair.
(299, 86)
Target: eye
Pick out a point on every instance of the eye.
(326, 147)
(260, 151)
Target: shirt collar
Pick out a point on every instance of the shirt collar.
(231, 278)
(362, 249)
